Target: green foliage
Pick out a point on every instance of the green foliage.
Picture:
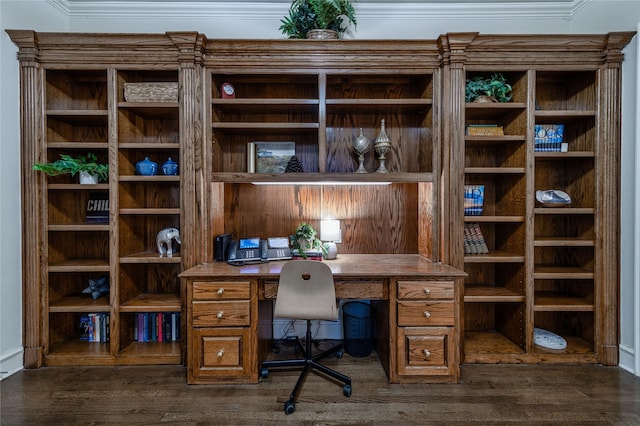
(495, 87)
(307, 15)
(72, 165)
(305, 231)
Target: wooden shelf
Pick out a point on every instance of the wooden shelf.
(554, 302)
(149, 179)
(78, 227)
(149, 145)
(488, 342)
(320, 178)
(494, 170)
(494, 257)
(144, 353)
(563, 242)
(73, 352)
(150, 211)
(551, 116)
(564, 155)
(491, 294)
(564, 210)
(78, 186)
(484, 111)
(81, 303)
(149, 257)
(561, 272)
(152, 303)
(473, 141)
(80, 265)
(78, 145)
(494, 219)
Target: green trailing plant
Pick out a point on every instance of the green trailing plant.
(305, 232)
(307, 15)
(73, 165)
(495, 86)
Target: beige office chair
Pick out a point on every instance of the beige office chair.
(306, 291)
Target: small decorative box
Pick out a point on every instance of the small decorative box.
(151, 92)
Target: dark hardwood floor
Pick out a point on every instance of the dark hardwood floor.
(487, 394)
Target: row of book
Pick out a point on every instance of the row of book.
(474, 242)
(156, 327)
(473, 200)
(547, 138)
(95, 327)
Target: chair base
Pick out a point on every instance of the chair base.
(308, 363)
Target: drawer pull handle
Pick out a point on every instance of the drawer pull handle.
(427, 291)
(220, 292)
(427, 353)
(220, 315)
(220, 353)
(427, 314)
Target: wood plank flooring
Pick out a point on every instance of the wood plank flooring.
(487, 394)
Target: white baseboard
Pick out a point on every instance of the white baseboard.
(11, 362)
(627, 360)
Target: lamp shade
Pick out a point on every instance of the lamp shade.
(330, 230)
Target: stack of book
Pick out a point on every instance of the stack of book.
(308, 254)
(484, 130)
(156, 327)
(473, 200)
(549, 138)
(95, 327)
(474, 242)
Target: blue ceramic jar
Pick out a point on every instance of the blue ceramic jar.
(147, 167)
(170, 167)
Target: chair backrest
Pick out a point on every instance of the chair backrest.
(306, 291)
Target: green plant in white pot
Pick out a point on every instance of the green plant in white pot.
(86, 166)
(305, 239)
(494, 88)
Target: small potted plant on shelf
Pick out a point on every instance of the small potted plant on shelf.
(305, 240)
(494, 88)
(318, 19)
(86, 165)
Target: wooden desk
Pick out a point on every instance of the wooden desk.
(417, 316)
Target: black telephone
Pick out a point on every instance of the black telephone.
(249, 250)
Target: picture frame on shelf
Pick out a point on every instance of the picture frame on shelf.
(269, 157)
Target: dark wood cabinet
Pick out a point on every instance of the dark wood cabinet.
(553, 268)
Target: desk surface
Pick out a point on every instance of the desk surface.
(346, 265)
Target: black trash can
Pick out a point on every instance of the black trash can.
(356, 324)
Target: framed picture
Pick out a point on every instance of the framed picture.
(269, 157)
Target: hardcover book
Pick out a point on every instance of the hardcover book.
(473, 200)
(485, 130)
(97, 208)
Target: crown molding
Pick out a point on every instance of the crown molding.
(373, 9)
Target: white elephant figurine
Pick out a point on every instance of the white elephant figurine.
(164, 241)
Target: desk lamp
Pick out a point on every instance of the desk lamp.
(330, 232)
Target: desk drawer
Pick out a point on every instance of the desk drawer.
(425, 313)
(221, 314)
(373, 290)
(426, 350)
(221, 290)
(221, 355)
(425, 290)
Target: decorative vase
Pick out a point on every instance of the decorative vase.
(322, 35)
(87, 178)
(147, 167)
(305, 244)
(170, 167)
(361, 146)
(381, 146)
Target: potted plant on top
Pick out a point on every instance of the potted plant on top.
(306, 239)
(86, 165)
(494, 88)
(319, 19)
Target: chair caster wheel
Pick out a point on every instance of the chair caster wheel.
(339, 354)
(264, 373)
(289, 407)
(346, 390)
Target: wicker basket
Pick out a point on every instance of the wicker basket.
(151, 92)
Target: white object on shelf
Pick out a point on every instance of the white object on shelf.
(548, 340)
